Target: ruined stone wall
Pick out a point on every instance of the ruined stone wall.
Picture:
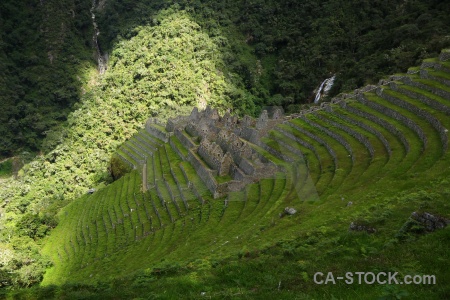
(231, 143)
(211, 153)
(236, 173)
(246, 166)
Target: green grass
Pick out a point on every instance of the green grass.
(433, 148)
(178, 145)
(345, 164)
(239, 247)
(380, 158)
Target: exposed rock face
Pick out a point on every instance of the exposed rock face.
(288, 211)
(429, 221)
(359, 227)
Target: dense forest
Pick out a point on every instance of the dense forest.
(64, 120)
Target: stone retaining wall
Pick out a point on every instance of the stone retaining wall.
(203, 172)
(156, 132)
(126, 161)
(420, 112)
(146, 143)
(275, 153)
(441, 93)
(172, 197)
(388, 126)
(422, 98)
(426, 75)
(192, 186)
(317, 139)
(396, 115)
(177, 151)
(184, 140)
(339, 138)
(434, 65)
(445, 55)
(367, 128)
(362, 139)
(139, 160)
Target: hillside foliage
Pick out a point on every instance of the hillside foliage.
(64, 120)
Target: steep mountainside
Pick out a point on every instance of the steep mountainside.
(64, 119)
(367, 167)
(44, 44)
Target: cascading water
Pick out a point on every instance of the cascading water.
(324, 88)
(101, 59)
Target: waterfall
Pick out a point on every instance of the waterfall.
(101, 59)
(324, 88)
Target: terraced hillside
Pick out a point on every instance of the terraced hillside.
(179, 203)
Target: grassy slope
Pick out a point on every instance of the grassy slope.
(248, 251)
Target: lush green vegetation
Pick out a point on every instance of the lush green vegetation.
(164, 58)
(43, 47)
(243, 249)
(267, 53)
(6, 167)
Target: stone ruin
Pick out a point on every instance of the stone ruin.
(221, 146)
